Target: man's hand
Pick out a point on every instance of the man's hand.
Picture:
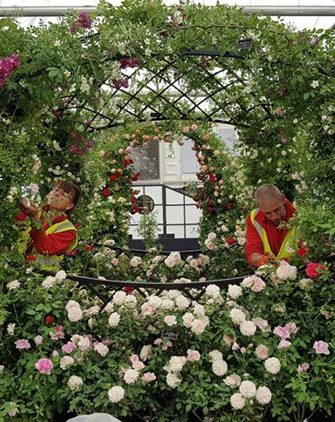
(31, 210)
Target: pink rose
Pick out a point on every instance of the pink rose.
(321, 347)
(281, 332)
(44, 366)
(303, 367)
(22, 344)
(284, 344)
(68, 347)
(314, 269)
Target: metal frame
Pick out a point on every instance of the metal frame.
(275, 10)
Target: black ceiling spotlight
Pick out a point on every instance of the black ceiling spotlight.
(244, 44)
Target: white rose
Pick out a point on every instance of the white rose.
(49, 282)
(219, 367)
(285, 271)
(135, 261)
(237, 316)
(248, 328)
(115, 394)
(237, 401)
(119, 297)
(182, 302)
(170, 320)
(172, 380)
(75, 383)
(130, 376)
(272, 365)
(13, 285)
(176, 364)
(114, 319)
(198, 326)
(247, 389)
(66, 361)
(233, 380)
(212, 290)
(263, 395)
(187, 319)
(60, 275)
(75, 314)
(102, 349)
(216, 355)
(234, 291)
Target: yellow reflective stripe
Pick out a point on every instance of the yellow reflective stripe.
(261, 232)
(62, 227)
(287, 242)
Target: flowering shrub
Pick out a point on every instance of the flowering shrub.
(228, 353)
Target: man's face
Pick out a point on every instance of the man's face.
(273, 209)
(60, 200)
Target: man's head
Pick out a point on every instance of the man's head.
(64, 197)
(270, 201)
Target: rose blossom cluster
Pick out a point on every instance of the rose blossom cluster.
(285, 271)
(284, 333)
(7, 66)
(210, 241)
(219, 366)
(247, 327)
(254, 283)
(173, 259)
(74, 312)
(248, 390)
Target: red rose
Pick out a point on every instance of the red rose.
(89, 248)
(49, 319)
(114, 177)
(314, 269)
(31, 258)
(21, 217)
(230, 240)
(106, 192)
(302, 251)
(136, 177)
(128, 289)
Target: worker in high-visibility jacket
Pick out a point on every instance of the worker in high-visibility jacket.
(50, 232)
(269, 235)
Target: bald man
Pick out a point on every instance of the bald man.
(267, 236)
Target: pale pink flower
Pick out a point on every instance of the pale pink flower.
(198, 326)
(68, 347)
(22, 344)
(172, 380)
(193, 355)
(75, 383)
(237, 401)
(101, 349)
(281, 332)
(66, 361)
(258, 285)
(284, 344)
(148, 377)
(38, 340)
(248, 328)
(219, 367)
(188, 318)
(263, 395)
(44, 366)
(145, 352)
(303, 367)
(272, 365)
(58, 334)
(291, 327)
(114, 319)
(234, 291)
(130, 376)
(116, 394)
(247, 389)
(170, 320)
(321, 347)
(232, 380)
